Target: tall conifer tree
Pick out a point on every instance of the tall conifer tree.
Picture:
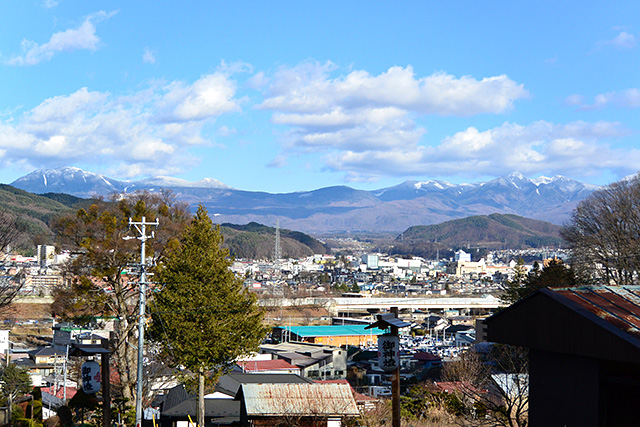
(204, 317)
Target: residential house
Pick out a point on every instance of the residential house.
(584, 353)
(314, 360)
(306, 405)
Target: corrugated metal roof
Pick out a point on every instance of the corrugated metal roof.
(332, 330)
(266, 365)
(617, 305)
(315, 400)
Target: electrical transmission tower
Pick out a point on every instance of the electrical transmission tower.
(141, 227)
(277, 251)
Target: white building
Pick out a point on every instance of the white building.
(371, 261)
(462, 256)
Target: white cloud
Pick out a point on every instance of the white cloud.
(50, 3)
(623, 40)
(225, 130)
(209, 96)
(309, 89)
(576, 149)
(628, 98)
(278, 162)
(360, 112)
(82, 38)
(146, 132)
(148, 57)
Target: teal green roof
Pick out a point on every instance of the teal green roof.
(332, 330)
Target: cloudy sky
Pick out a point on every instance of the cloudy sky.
(288, 96)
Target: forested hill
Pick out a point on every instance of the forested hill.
(495, 231)
(257, 241)
(32, 214)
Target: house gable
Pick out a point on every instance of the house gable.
(551, 321)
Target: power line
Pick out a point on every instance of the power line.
(141, 227)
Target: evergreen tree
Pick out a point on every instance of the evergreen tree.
(514, 286)
(555, 274)
(15, 382)
(203, 317)
(34, 408)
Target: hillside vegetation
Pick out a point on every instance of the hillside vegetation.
(257, 241)
(491, 232)
(33, 214)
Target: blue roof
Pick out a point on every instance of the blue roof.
(333, 330)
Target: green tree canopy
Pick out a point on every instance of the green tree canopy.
(554, 275)
(98, 282)
(15, 382)
(203, 317)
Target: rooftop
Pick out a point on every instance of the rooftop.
(299, 400)
(333, 330)
(266, 365)
(618, 305)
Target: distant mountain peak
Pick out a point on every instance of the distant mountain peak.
(73, 180)
(541, 180)
(433, 184)
(518, 175)
(210, 183)
(340, 208)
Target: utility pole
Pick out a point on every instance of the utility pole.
(141, 227)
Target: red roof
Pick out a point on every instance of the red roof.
(71, 391)
(266, 365)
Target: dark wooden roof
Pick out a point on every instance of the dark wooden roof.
(593, 321)
(213, 408)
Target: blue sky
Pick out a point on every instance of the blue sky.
(290, 96)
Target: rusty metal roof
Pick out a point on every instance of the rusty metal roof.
(617, 305)
(267, 365)
(300, 400)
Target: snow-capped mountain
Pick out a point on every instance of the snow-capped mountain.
(81, 183)
(341, 208)
(67, 180)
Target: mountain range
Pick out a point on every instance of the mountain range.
(340, 209)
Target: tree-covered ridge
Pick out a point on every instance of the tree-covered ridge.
(495, 231)
(256, 241)
(33, 214)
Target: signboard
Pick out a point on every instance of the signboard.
(388, 352)
(90, 377)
